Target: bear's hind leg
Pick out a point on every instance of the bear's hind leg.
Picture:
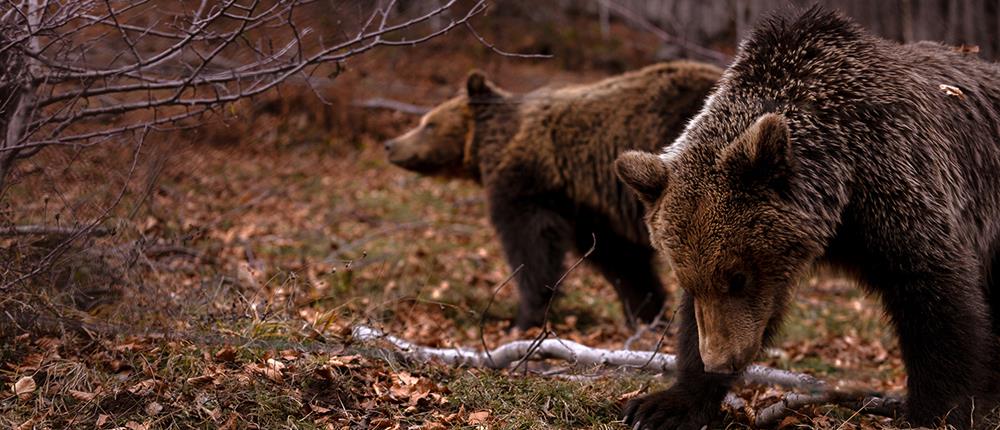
(993, 288)
(630, 269)
(535, 239)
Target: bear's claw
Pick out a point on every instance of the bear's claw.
(671, 409)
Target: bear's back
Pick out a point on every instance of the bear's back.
(952, 135)
(576, 132)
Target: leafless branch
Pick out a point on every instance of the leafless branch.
(860, 402)
(663, 335)
(493, 47)
(85, 228)
(73, 69)
(482, 315)
(643, 23)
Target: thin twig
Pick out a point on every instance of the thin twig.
(493, 47)
(548, 306)
(482, 315)
(663, 335)
(644, 328)
(662, 34)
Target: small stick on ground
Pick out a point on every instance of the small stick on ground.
(639, 332)
(52, 230)
(394, 105)
(663, 335)
(860, 402)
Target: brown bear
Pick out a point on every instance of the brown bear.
(824, 144)
(545, 160)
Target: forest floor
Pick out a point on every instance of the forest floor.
(244, 321)
(245, 253)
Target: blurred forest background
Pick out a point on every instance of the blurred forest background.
(206, 271)
(725, 23)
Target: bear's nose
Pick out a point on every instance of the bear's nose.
(388, 144)
(725, 368)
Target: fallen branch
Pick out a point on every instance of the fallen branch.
(158, 251)
(51, 230)
(396, 105)
(507, 354)
(870, 403)
(494, 48)
(819, 392)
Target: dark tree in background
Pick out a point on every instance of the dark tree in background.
(723, 23)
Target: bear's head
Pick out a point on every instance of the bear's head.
(720, 213)
(441, 144)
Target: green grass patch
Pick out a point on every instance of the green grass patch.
(516, 402)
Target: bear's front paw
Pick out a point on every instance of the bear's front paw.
(671, 409)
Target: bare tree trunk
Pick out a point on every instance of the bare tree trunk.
(741, 20)
(605, 19)
(24, 94)
(907, 17)
(697, 22)
(996, 27)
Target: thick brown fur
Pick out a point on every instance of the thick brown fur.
(824, 144)
(545, 161)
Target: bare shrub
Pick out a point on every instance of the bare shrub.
(79, 73)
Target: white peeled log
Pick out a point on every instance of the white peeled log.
(817, 392)
(509, 353)
(859, 402)
(573, 352)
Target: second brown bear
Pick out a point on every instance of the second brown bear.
(545, 161)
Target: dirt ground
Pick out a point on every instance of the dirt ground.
(246, 251)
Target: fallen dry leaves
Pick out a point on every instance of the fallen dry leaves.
(25, 387)
(413, 390)
(480, 417)
(82, 396)
(952, 90)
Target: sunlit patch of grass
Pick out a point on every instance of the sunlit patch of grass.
(812, 365)
(835, 330)
(589, 309)
(518, 402)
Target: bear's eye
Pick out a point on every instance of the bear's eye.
(430, 125)
(737, 282)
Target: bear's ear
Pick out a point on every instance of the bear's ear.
(763, 152)
(478, 87)
(645, 173)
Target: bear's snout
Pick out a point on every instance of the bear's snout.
(724, 366)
